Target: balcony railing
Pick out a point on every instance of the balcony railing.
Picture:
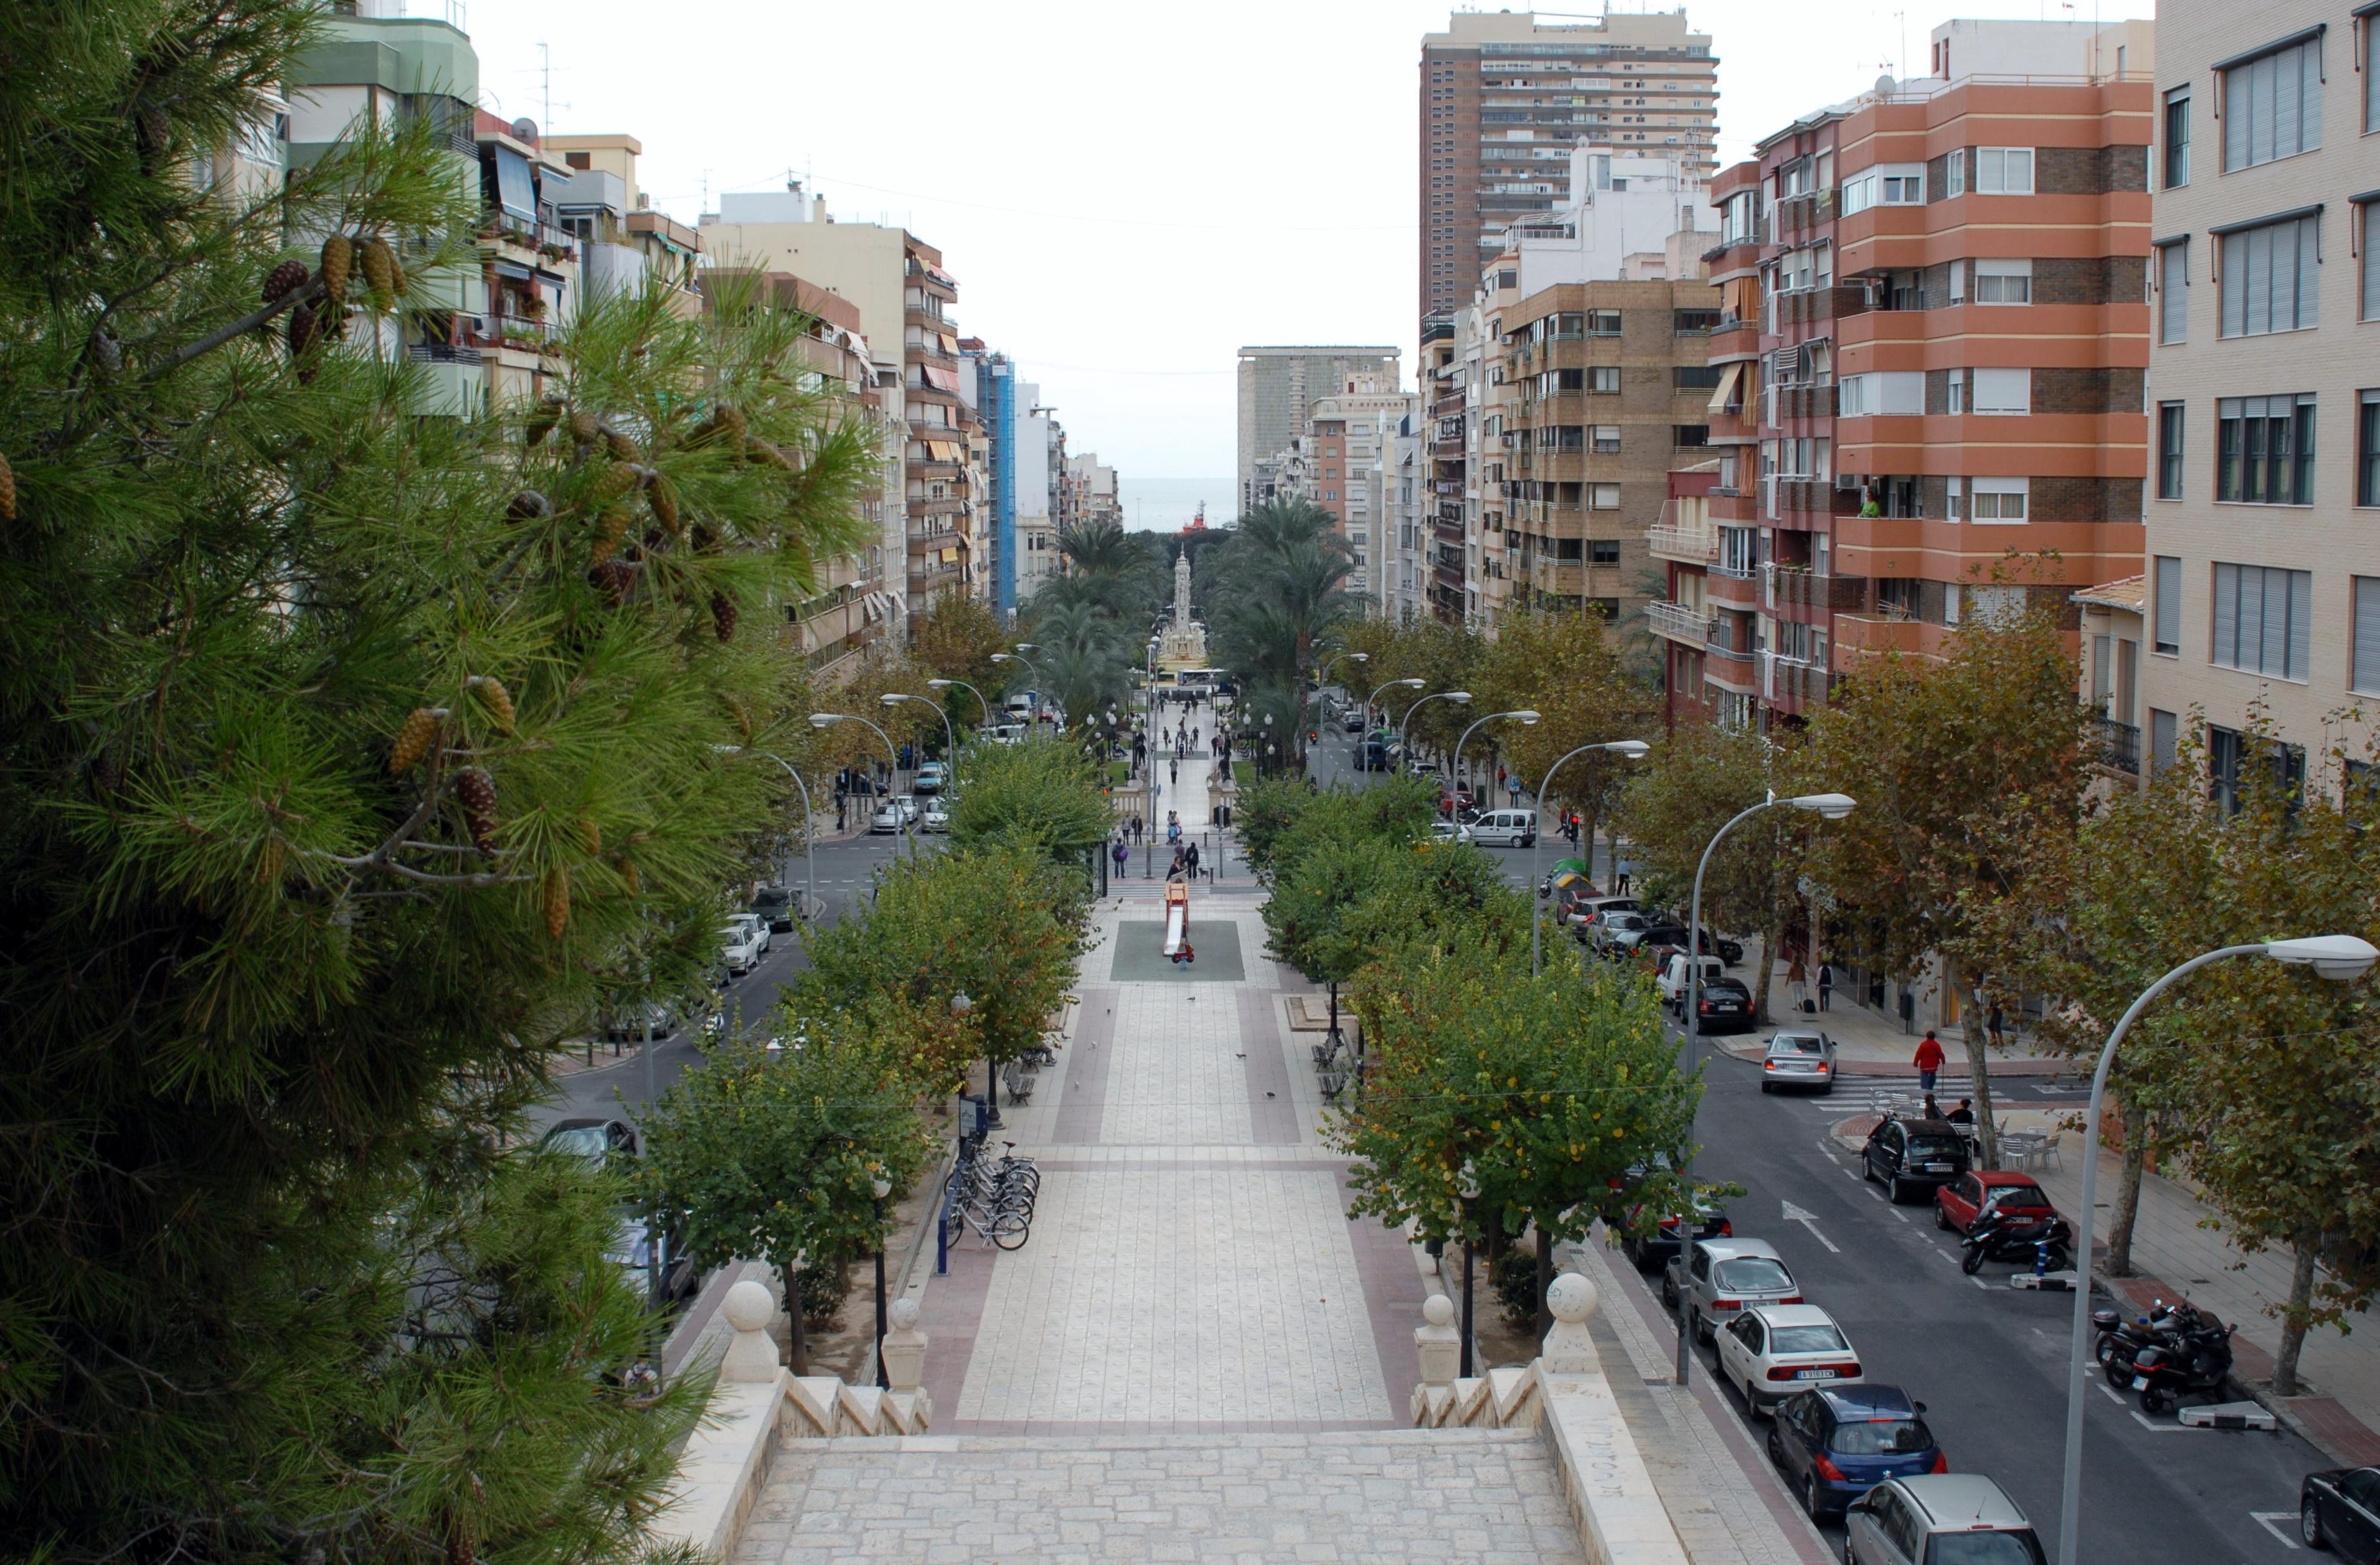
(1688, 545)
(2119, 747)
(1678, 622)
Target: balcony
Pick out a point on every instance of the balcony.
(1678, 622)
(1687, 545)
(2119, 747)
(932, 321)
(1796, 588)
(1889, 631)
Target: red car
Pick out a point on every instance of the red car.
(1959, 1203)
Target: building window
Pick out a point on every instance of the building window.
(2371, 310)
(2265, 450)
(1602, 322)
(2270, 278)
(2223, 767)
(2169, 449)
(1998, 500)
(2004, 171)
(1603, 496)
(1606, 552)
(2003, 391)
(2176, 138)
(2165, 605)
(2271, 104)
(2263, 620)
(1607, 439)
(2004, 282)
(2165, 734)
(1955, 171)
(1603, 377)
(2367, 448)
(2364, 646)
(2173, 292)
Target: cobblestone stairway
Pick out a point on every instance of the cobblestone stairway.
(1438, 1497)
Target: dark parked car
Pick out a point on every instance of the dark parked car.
(1724, 1006)
(1913, 1155)
(775, 903)
(1655, 1250)
(596, 1140)
(2341, 1510)
(1834, 1444)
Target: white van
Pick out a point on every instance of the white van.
(1506, 828)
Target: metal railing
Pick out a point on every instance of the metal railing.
(1678, 622)
(2119, 745)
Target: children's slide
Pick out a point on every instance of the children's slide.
(1177, 918)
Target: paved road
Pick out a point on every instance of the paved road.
(1989, 1362)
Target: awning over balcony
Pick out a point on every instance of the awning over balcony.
(941, 378)
(1726, 390)
(943, 451)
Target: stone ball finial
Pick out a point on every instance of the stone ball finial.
(1438, 1310)
(748, 1307)
(1571, 1298)
(905, 1314)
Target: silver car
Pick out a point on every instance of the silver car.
(1900, 1520)
(937, 817)
(1798, 1060)
(1717, 1279)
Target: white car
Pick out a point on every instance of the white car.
(1797, 1058)
(757, 924)
(1772, 1350)
(888, 817)
(1674, 974)
(740, 952)
(937, 817)
(1446, 830)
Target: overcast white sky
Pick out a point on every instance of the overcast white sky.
(1126, 192)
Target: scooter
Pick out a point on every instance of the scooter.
(2046, 1243)
(2200, 1362)
(2120, 1338)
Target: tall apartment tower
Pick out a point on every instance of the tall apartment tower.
(1504, 100)
(1279, 387)
(2263, 579)
(1933, 332)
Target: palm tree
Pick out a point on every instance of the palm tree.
(1109, 568)
(1281, 589)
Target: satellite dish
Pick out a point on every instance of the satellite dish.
(525, 129)
(1883, 84)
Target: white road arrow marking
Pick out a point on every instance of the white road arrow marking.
(1810, 1221)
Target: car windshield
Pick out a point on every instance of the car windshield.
(1795, 1043)
(1881, 1436)
(1624, 920)
(1935, 1147)
(585, 1141)
(2015, 1196)
(1985, 1549)
(1807, 1340)
(1753, 1274)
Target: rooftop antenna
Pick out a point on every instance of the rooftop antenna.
(545, 84)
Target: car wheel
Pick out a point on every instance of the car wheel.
(1942, 1218)
(1892, 1190)
(2310, 1525)
(1751, 1402)
(1867, 1168)
(1813, 1507)
(1776, 1447)
(1669, 1294)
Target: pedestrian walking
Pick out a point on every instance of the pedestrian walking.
(1992, 1025)
(1190, 858)
(1173, 772)
(1121, 853)
(1825, 984)
(1928, 1060)
(1194, 733)
(1796, 984)
(1172, 829)
(1625, 869)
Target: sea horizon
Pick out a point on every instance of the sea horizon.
(1168, 505)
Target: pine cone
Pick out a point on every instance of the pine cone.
(497, 700)
(338, 255)
(557, 900)
(621, 446)
(155, 133)
(541, 421)
(398, 282)
(723, 616)
(735, 710)
(380, 272)
(622, 478)
(662, 498)
(585, 428)
(628, 873)
(304, 327)
(615, 578)
(590, 836)
(285, 279)
(7, 491)
(769, 455)
(477, 791)
(528, 505)
(724, 426)
(702, 537)
(608, 534)
(413, 740)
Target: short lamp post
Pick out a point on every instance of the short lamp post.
(1627, 749)
(2340, 958)
(1829, 807)
(883, 1188)
(960, 1006)
(1405, 729)
(891, 754)
(1468, 1189)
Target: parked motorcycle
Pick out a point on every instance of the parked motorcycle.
(2120, 1338)
(2199, 1362)
(2045, 1244)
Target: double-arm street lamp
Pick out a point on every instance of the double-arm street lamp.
(1405, 729)
(891, 752)
(1372, 702)
(810, 835)
(1524, 715)
(1830, 807)
(1627, 749)
(2341, 959)
(950, 736)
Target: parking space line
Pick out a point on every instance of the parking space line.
(2142, 1419)
(1898, 1213)
(2265, 1519)
(2113, 1395)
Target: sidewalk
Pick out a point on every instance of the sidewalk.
(2178, 1254)
(1872, 1043)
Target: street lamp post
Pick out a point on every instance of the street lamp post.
(881, 1188)
(1372, 702)
(960, 1006)
(1830, 807)
(1033, 719)
(2340, 958)
(1469, 1191)
(809, 840)
(950, 735)
(1405, 729)
(1630, 749)
(946, 684)
(891, 752)
(1322, 673)
(1455, 768)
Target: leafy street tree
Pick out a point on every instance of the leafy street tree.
(1309, 910)
(1953, 764)
(347, 747)
(1549, 1089)
(955, 639)
(1697, 779)
(1570, 669)
(1046, 797)
(775, 1160)
(1446, 656)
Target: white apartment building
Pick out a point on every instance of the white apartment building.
(1040, 461)
(2262, 579)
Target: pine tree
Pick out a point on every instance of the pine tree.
(297, 907)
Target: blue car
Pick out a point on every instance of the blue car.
(1833, 1445)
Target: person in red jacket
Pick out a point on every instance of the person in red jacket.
(1928, 1061)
